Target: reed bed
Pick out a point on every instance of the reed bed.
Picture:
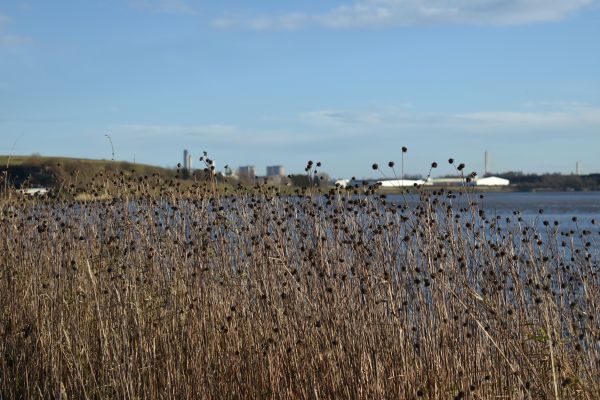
(166, 292)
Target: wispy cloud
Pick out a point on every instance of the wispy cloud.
(3, 20)
(567, 119)
(389, 13)
(8, 39)
(335, 127)
(213, 134)
(164, 6)
(556, 105)
(14, 40)
(145, 130)
(535, 122)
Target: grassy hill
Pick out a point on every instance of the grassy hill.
(53, 171)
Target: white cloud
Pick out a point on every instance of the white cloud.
(536, 121)
(213, 134)
(13, 40)
(380, 115)
(224, 23)
(386, 13)
(339, 126)
(567, 118)
(4, 20)
(145, 130)
(556, 105)
(8, 39)
(164, 6)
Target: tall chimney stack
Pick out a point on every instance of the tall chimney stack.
(187, 160)
(487, 163)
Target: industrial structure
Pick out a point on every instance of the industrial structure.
(458, 181)
(38, 191)
(187, 160)
(248, 171)
(275, 170)
(492, 181)
(403, 182)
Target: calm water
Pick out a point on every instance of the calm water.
(556, 206)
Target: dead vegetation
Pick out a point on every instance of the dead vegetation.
(193, 292)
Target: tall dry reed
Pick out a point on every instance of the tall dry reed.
(180, 292)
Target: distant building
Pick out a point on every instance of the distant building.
(492, 181)
(275, 170)
(449, 181)
(187, 160)
(33, 191)
(248, 171)
(342, 183)
(212, 165)
(403, 182)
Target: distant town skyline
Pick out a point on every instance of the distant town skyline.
(344, 82)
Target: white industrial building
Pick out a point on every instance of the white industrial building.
(390, 183)
(492, 181)
(342, 183)
(33, 191)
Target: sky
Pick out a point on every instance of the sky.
(271, 82)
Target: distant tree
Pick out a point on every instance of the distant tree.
(416, 177)
(246, 179)
(324, 179)
(558, 181)
(299, 180)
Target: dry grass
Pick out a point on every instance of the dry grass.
(171, 292)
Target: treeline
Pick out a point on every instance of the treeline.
(552, 181)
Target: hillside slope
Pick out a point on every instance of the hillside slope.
(37, 171)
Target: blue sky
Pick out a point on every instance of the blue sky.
(347, 82)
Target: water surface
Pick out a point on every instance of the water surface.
(554, 206)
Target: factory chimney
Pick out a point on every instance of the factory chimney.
(487, 163)
(187, 160)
